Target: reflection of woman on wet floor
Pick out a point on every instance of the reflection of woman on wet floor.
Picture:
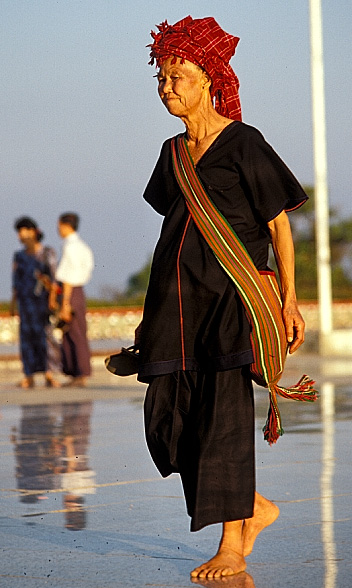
(33, 273)
(194, 340)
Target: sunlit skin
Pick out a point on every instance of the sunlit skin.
(180, 88)
(184, 89)
(238, 538)
(28, 238)
(281, 236)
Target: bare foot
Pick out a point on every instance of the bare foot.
(241, 580)
(50, 381)
(76, 382)
(27, 382)
(225, 563)
(265, 513)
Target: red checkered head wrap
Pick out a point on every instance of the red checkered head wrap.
(203, 42)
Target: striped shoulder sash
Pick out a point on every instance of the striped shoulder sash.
(258, 290)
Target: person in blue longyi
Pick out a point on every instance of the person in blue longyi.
(32, 278)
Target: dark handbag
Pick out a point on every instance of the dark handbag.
(123, 363)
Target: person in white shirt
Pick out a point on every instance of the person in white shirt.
(74, 272)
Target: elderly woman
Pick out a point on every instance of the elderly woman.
(33, 274)
(195, 348)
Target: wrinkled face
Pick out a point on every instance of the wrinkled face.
(27, 236)
(181, 86)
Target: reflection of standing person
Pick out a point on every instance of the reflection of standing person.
(74, 272)
(36, 459)
(53, 453)
(33, 275)
(77, 479)
(195, 346)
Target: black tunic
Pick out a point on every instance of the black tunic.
(193, 317)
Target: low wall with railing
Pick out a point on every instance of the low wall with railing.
(103, 324)
(118, 324)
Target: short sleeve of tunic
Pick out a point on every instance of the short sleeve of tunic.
(270, 184)
(161, 187)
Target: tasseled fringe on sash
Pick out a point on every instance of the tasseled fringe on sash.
(303, 391)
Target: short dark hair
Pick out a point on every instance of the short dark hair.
(28, 223)
(70, 218)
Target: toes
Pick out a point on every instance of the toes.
(202, 572)
(195, 573)
(210, 573)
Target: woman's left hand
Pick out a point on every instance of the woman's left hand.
(294, 325)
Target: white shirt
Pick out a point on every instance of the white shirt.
(77, 262)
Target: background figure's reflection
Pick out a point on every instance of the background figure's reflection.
(242, 580)
(77, 479)
(35, 452)
(51, 450)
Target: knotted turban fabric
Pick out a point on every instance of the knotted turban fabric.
(203, 42)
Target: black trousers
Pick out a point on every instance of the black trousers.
(201, 425)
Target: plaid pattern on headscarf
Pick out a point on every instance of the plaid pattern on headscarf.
(203, 42)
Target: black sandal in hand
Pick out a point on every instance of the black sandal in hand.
(125, 362)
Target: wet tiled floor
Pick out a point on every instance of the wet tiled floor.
(83, 505)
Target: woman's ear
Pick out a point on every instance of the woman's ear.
(206, 80)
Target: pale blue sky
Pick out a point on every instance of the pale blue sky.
(82, 124)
